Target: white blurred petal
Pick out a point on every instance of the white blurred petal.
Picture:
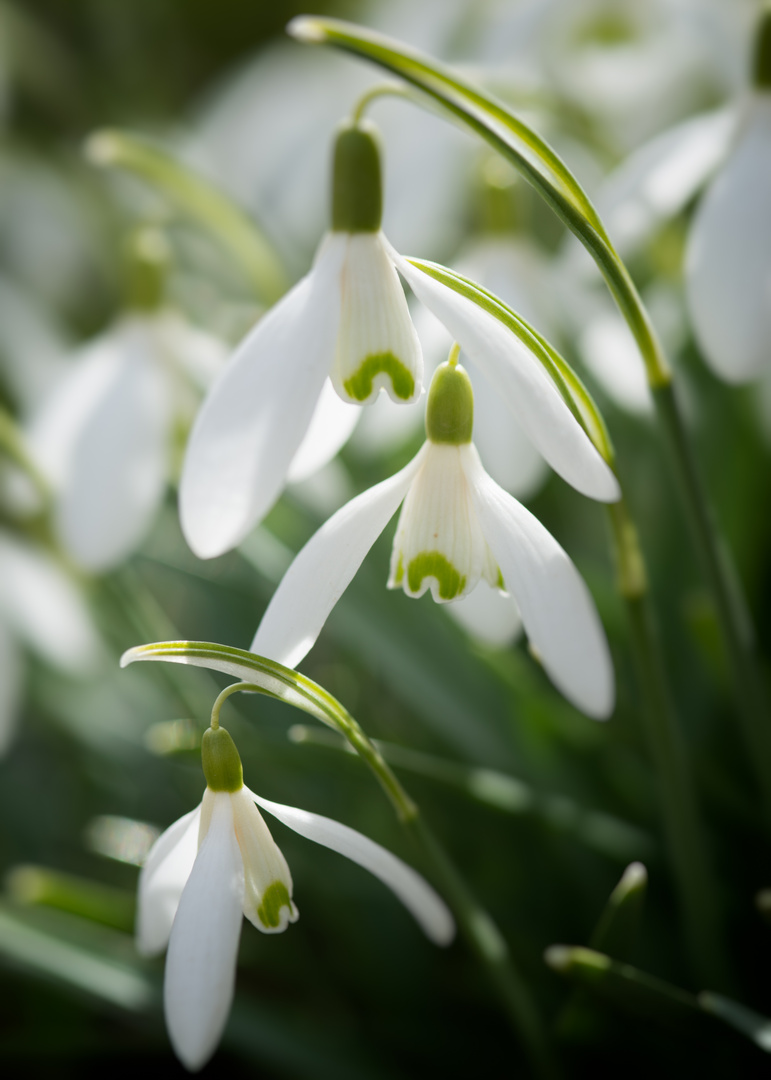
(728, 259)
(522, 382)
(611, 354)
(420, 899)
(102, 440)
(203, 947)
(324, 568)
(557, 609)
(162, 879)
(43, 607)
(257, 413)
(11, 669)
(201, 355)
(488, 616)
(331, 425)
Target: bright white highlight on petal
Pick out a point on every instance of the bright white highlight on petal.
(324, 568)
(102, 440)
(423, 902)
(728, 259)
(439, 543)
(162, 879)
(254, 419)
(203, 947)
(377, 346)
(522, 382)
(557, 609)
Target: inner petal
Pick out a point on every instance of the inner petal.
(268, 882)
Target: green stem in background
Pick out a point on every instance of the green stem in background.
(733, 616)
(198, 199)
(274, 680)
(537, 162)
(681, 819)
(13, 446)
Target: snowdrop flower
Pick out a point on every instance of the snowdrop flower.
(457, 527)
(347, 320)
(219, 862)
(728, 259)
(103, 437)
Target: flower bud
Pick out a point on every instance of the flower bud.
(357, 189)
(450, 409)
(761, 60)
(221, 761)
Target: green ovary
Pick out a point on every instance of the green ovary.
(434, 564)
(275, 897)
(359, 386)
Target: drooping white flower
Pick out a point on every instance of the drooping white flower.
(457, 527)
(347, 320)
(219, 863)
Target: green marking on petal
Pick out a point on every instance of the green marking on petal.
(399, 575)
(359, 386)
(434, 564)
(500, 583)
(275, 897)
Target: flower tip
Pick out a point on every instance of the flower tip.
(306, 29)
(129, 656)
(557, 957)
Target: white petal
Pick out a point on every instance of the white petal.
(265, 869)
(203, 947)
(324, 568)
(522, 383)
(162, 879)
(377, 346)
(329, 430)
(43, 607)
(557, 609)
(728, 259)
(255, 417)
(487, 615)
(10, 687)
(102, 439)
(201, 355)
(427, 907)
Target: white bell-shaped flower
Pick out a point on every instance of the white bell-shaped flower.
(457, 527)
(219, 863)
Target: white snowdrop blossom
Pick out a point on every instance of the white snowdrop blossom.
(347, 321)
(457, 527)
(103, 437)
(219, 863)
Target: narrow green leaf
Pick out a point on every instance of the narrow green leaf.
(37, 885)
(576, 396)
(757, 1028)
(198, 199)
(474, 107)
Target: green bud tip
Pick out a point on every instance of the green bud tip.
(761, 60)
(450, 409)
(220, 760)
(357, 188)
(147, 258)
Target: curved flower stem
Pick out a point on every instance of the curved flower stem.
(683, 828)
(379, 91)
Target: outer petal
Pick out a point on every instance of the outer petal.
(427, 907)
(43, 607)
(330, 427)
(377, 346)
(728, 260)
(268, 892)
(523, 384)
(322, 571)
(557, 609)
(255, 417)
(162, 879)
(203, 947)
(102, 438)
